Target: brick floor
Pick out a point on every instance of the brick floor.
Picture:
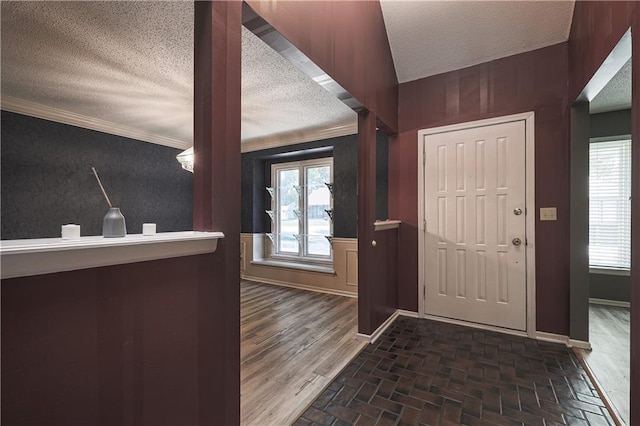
(423, 372)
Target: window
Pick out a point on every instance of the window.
(610, 204)
(301, 207)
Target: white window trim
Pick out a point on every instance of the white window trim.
(610, 271)
(301, 257)
(606, 269)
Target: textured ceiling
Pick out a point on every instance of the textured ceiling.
(279, 99)
(432, 37)
(131, 64)
(616, 95)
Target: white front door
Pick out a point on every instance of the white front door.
(474, 192)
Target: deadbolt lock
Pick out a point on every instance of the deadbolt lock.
(516, 241)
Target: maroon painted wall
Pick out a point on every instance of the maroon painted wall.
(595, 30)
(346, 39)
(377, 262)
(533, 81)
(216, 203)
(106, 346)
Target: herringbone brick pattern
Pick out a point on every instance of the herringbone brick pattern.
(423, 372)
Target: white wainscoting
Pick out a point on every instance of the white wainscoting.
(344, 280)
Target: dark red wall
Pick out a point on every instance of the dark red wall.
(596, 29)
(216, 204)
(377, 250)
(106, 346)
(533, 81)
(346, 39)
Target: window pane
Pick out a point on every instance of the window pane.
(288, 223)
(609, 204)
(318, 200)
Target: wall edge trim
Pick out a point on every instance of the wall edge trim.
(607, 302)
(617, 418)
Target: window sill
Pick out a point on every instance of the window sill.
(295, 265)
(610, 271)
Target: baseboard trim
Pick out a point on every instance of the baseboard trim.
(579, 344)
(300, 286)
(406, 313)
(371, 338)
(552, 338)
(607, 302)
(563, 340)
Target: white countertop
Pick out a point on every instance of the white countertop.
(48, 255)
(39, 245)
(383, 225)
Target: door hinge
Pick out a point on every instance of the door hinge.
(424, 226)
(424, 293)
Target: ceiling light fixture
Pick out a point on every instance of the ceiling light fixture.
(186, 158)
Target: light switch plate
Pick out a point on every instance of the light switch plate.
(548, 213)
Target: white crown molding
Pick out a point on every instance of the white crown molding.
(44, 112)
(300, 136)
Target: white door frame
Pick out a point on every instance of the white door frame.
(530, 219)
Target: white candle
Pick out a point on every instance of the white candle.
(70, 232)
(148, 229)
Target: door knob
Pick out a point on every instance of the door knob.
(516, 241)
(517, 211)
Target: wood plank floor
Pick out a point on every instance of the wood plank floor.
(293, 343)
(609, 359)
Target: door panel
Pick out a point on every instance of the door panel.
(474, 184)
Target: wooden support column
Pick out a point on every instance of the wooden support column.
(216, 206)
(366, 217)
